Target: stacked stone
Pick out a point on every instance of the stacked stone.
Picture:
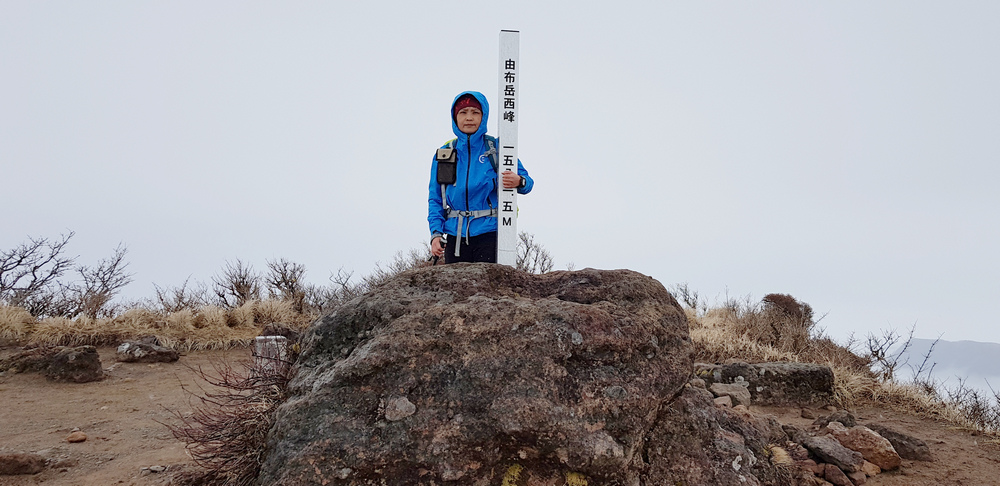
(835, 451)
(841, 452)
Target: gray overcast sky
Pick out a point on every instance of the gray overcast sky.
(843, 152)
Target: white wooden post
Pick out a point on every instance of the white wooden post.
(507, 102)
(271, 353)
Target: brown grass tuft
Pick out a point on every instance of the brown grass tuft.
(185, 330)
(15, 323)
(777, 329)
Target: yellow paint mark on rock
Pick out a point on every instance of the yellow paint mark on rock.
(514, 476)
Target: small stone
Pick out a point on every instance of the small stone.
(723, 402)
(858, 478)
(836, 476)
(870, 469)
(144, 472)
(794, 433)
(739, 393)
(398, 408)
(807, 414)
(343, 473)
(831, 408)
(76, 437)
(829, 450)
(697, 382)
(796, 450)
(843, 416)
(811, 466)
(63, 463)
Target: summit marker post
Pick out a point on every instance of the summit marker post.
(507, 129)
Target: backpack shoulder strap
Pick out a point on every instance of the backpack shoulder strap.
(492, 143)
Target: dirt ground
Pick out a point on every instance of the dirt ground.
(123, 415)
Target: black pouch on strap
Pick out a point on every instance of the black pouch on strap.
(447, 166)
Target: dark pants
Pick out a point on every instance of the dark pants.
(481, 248)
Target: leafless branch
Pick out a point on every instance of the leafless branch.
(531, 257)
(284, 281)
(30, 271)
(237, 285)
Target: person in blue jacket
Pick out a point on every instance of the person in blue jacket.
(468, 215)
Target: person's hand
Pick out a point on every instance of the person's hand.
(511, 179)
(436, 248)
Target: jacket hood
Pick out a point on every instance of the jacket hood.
(482, 125)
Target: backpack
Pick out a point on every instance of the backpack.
(447, 173)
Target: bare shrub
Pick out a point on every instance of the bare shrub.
(175, 299)
(790, 307)
(400, 263)
(342, 287)
(100, 284)
(56, 300)
(770, 324)
(30, 278)
(531, 257)
(689, 297)
(226, 435)
(885, 352)
(284, 281)
(29, 273)
(321, 299)
(980, 409)
(237, 285)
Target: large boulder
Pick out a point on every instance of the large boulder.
(694, 442)
(454, 374)
(872, 446)
(907, 446)
(81, 364)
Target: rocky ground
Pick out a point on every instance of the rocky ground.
(122, 418)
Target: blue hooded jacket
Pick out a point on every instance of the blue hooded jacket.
(475, 186)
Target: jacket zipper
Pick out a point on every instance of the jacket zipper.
(468, 168)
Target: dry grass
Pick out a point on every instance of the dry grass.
(779, 328)
(758, 333)
(207, 327)
(15, 323)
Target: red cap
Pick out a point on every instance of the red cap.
(464, 102)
